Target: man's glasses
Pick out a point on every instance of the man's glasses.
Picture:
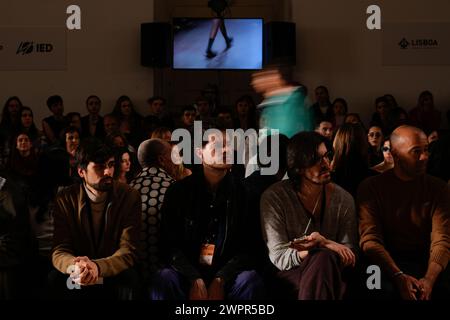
(328, 156)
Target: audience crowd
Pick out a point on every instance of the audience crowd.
(97, 203)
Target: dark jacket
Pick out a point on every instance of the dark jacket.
(183, 221)
(118, 247)
(99, 128)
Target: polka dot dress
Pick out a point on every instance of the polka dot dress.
(152, 183)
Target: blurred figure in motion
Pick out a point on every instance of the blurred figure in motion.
(283, 107)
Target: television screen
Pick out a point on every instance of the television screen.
(213, 43)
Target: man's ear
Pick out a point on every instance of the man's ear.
(80, 172)
(161, 161)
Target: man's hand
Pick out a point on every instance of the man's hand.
(426, 287)
(314, 240)
(408, 286)
(88, 271)
(198, 290)
(347, 256)
(216, 290)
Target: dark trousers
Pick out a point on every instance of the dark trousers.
(319, 277)
(416, 269)
(168, 284)
(124, 286)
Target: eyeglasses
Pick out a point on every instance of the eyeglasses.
(374, 134)
(328, 156)
(386, 149)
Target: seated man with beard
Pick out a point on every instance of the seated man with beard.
(96, 234)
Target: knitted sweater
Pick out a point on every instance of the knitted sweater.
(404, 219)
(283, 219)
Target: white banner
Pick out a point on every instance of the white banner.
(416, 44)
(33, 48)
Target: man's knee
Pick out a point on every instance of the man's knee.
(324, 256)
(250, 285)
(167, 275)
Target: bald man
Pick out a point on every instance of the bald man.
(152, 182)
(404, 218)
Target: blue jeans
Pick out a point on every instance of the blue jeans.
(168, 284)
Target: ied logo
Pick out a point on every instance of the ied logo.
(404, 43)
(25, 48)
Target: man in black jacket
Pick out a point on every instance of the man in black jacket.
(203, 230)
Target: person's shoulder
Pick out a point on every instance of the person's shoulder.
(375, 178)
(341, 194)
(121, 188)
(278, 189)
(68, 192)
(184, 186)
(435, 182)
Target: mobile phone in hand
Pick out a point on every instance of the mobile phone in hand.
(300, 240)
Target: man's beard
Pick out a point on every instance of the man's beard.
(105, 184)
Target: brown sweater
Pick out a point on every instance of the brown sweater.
(404, 219)
(119, 245)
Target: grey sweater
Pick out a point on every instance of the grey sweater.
(283, 219)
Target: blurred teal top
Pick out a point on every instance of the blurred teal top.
(286, 112)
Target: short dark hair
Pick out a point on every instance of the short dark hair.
(93, 151)
(302, 153)
(72, 114)
(154, 98)
(343, 101)
(381, 99)
(69, 129)
(223, 109)
(188, 108)
(149, 152)
(323, 88)
(321, 119)
(93, 96)
(52, 100)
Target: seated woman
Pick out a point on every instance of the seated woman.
(245, 112)
(74, 120)
(340, 110)
(10, 115)
(350, 163)
(117, 140)
(8, 127)
(23, 162)
(375, 139)
(388, 162)
(54, 124)
(123, 171)
(28, 126)
(130, 121)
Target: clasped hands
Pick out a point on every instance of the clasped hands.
(215, 290)
(88, 272)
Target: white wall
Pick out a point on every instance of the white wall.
(103, 58)
(335, 48)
